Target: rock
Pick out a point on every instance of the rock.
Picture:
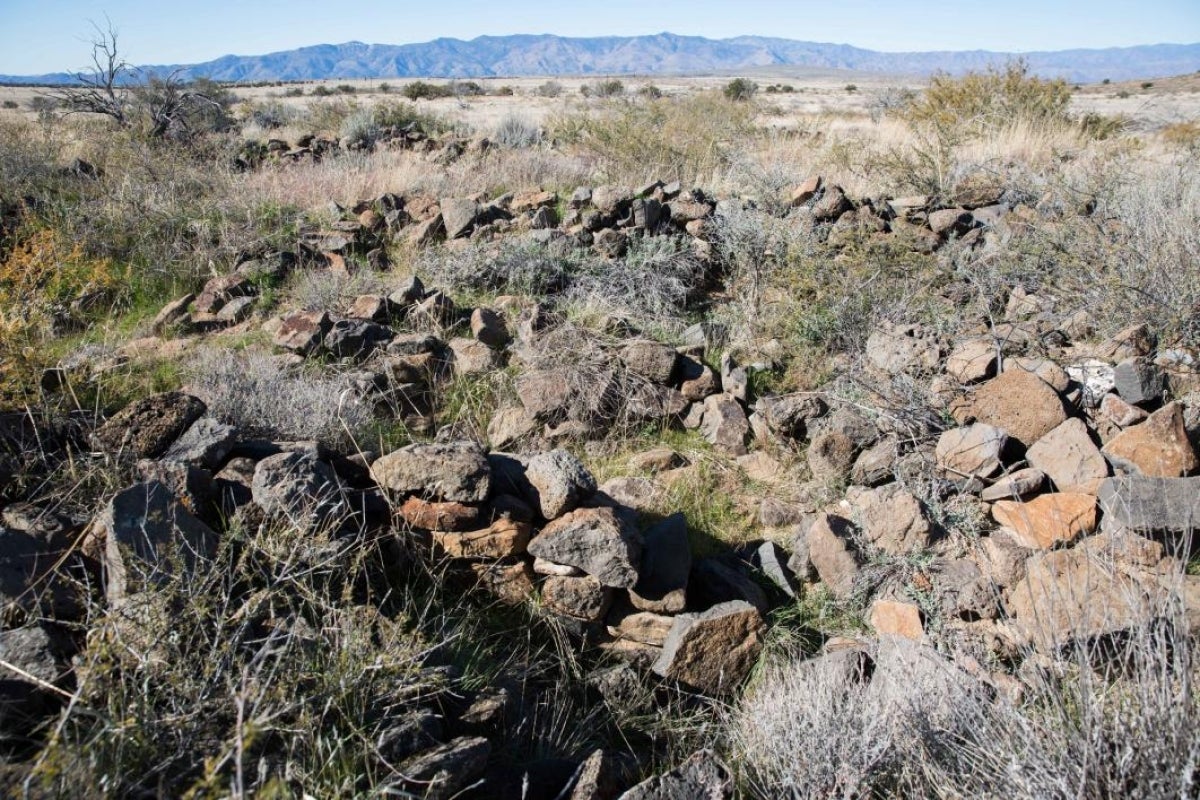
(894, 349)
(1121, 413)
(698, 380)
(598, 541)
(971, 451)
(303, 331)
(426, 233)
(356, 338)
(1096, 377)
(445, 771)
(473, 357)
(560, 482)
(950, 221)
(1014, 486)
(963, 592)
(413, 732)
(582, 598)
(543, 567)
(545, 394)
(1158, 447)
(502, 539)
(458, 216)
(436, 309)
(431, 515)
(735, 380)
(771, 560)
(660, 459)
(832, 554)
(724, 424)
(877, 464)
(1167, 508)
(1073, 594)
(701, 777)
(650, 360)
(972, 361)
(831, 456)
(1139, 381)
(1132, 342)
(640, 494)
(1049, 519)
(238, 309)
(296, 487)
(713, 651)
(509, 426)
(1021, 404)
(27, 700)
(788, 415)
(806, 191)
(611, 243)
(372, 308)
(1068, 456)
(33, 582)
(146, 428)
(1002, 558)
(831, 205)
(147, 534)
(643, 626)
(456, 471)
(488, 327)
(172, 314)
(892, 519)
(1044, 368)
(666, 565)
(601, 776)
(720, 579)
(510, 579)
(894, 618)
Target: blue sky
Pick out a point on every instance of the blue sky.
(51, 35)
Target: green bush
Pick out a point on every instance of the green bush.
(740, 89)
(991, 100)
(420, 90)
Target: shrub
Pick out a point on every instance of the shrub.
(740, 89)
(515, 131)
(989, 100)
(295, 91)
(609, 88)
(271, 115)
(1148, 85)
(549, 89)
(345, 88)
(505, 91)
(385, 88)
(851, 88)
(11, 104)
(420, 90)
(259, 394)
(361, 128)
(651, 91)
(322, 91)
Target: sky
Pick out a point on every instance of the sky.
(39, 36)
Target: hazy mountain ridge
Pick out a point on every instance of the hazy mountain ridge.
(526, 54)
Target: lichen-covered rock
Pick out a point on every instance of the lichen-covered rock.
(713, 651)
(146, 428)
(456, 472)
(598, 541)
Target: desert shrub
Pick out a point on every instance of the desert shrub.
(515, 131)
(272, 114)
(549, 89)
(740, 89)
(1183, 134)
(360, 128)
(260, 395)
(505, 91)
(1148, 85)
(851, 88)
(322, 91)
(421, 90)
(990, 100)
(687, 139)
(294, 91)
(11, 104)
(650, 91)
(345, 88)
(609, 88)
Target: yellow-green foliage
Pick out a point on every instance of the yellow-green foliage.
(991, 100)
(686, 139)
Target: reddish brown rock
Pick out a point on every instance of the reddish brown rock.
(1020, 403)
(434, 516)
(1048, 520)
(1069, 457)
(1158, 447)
(894, 618)
(502, 539)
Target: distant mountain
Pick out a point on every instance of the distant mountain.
(496, 56)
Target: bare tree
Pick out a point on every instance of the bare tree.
(165, 105)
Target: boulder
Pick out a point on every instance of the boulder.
(788, 415)
(831, 456)
(545, 394)
(896, 618)
(443, 772)
(724, 424)
(1121, 413)
(1049, 519)
(510, 579)
(472, 357)
(1015, 485)
(972, 361)
(1069, 458)
(697, 380)
(146, 428)
(1158, 447)
(901, 348)
(598, 541)
(509, 426)
(148, 535)
(772, 561)
(302, 332)
(650, 360)
(1019, 403)
(458, 216)
(1139, 381)
(892, 519)
(432, 515)
(713, 651)
(1166, 508)
(296, 487)
(832, 554)
(456, 471)
(488, 327)
(560, 482)
(971, 451)
(356, 338)
(877, 464)
(701, 777)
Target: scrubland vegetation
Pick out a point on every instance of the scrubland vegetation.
(300, 660)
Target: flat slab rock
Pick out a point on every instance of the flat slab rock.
(701, 777)
(713, 651)
(456, 472)
(148, 427)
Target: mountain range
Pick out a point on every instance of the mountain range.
(526, 55)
